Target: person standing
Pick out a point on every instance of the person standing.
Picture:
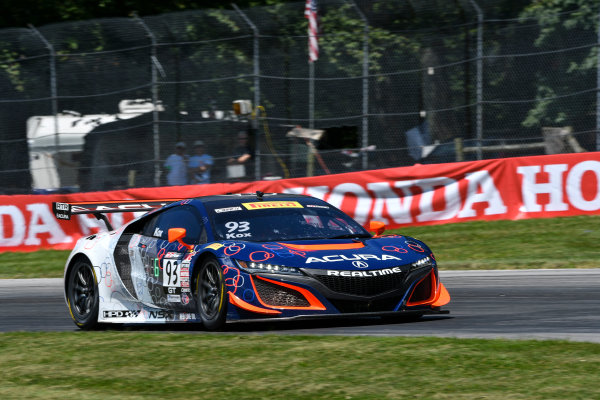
(200, 164)
(236, 164)
(176, 166)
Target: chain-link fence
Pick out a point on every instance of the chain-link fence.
(101, 104)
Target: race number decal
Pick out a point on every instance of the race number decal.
(237, 230)
(171, 273)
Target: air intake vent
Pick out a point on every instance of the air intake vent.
(279, 296)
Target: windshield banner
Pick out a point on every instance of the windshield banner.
(512, 188)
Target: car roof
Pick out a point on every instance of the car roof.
(252, 196)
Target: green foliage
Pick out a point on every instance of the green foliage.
(10, 68)
(563, 24)
(42, 12)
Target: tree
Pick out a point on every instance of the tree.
(566, 77)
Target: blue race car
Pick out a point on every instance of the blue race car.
(244, 257)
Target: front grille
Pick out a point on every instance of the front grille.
(362, 285)
(279, 296)
(348, 306)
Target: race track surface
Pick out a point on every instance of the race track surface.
(526, 304)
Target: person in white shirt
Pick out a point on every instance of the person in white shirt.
(176, 166)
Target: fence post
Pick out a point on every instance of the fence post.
(365, 89)
(53, 90)
(458, 149)
(155, 65)
(256, 64)
(479, 125)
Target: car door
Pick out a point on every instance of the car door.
(160, 270)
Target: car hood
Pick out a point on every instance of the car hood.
(331, 254)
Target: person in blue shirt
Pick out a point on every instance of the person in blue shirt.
(199, 164)
(175, 165)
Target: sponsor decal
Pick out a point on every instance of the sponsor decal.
(214, 246)
(353, 257)
(120, 313)
(158, 232)
(62, 216)
(161, 314)
(185, 299)
(174, 298)
(261, 205)
(360, 264)
(62, 206)
(172, 290)
(172, 254)
(366, 274)
(185, 272)
(510, 188)
(316, 206)
(186, 316)
(227, 209)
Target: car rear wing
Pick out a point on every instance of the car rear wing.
(64, 211)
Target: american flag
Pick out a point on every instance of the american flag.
(310, 12)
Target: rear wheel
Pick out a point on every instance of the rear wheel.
(82, 295)
(210, 294)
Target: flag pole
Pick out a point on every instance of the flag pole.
(311, 95)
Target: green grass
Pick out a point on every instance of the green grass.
(116, 365)
(39, 264)
(571, 242)
(568, 242)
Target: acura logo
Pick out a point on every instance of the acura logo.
(360, 264)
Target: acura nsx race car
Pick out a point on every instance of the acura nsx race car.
(238, 257)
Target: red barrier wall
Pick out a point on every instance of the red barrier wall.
(512, 188)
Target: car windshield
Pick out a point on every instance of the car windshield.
(265, 221)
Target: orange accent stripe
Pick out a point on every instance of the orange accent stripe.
(236, 301)
(315, 304)
(443, 297)
(311, 247)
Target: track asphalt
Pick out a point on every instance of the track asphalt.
(517, 304)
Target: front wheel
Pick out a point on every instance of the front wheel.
(82, 295)
(210, 294)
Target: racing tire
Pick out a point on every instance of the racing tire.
(82, 295)
(211, 294)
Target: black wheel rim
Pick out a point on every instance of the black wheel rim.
(83, 291)
(210, 290)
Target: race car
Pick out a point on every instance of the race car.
(235, 257)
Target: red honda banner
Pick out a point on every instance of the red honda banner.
(511, 188)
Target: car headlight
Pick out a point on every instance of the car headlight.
(423, 263)
(251, 266)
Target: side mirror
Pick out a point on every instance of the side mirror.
(376, 227)
(177, 234)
